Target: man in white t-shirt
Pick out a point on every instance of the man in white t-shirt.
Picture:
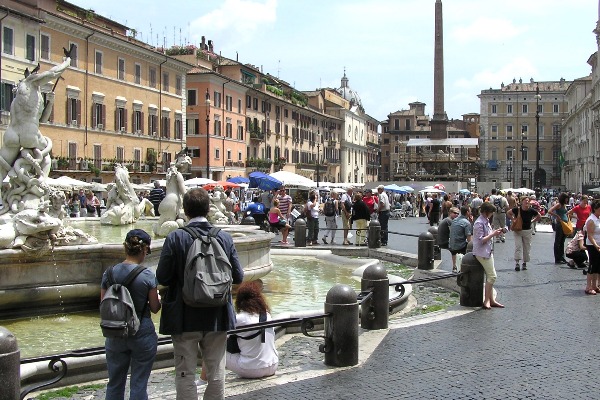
(346, 206)
(383, 213)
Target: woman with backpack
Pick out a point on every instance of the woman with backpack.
(137, 351)
(256, 357)
(330, 210)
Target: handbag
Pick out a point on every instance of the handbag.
(232, 343)
(518, 224)
(567, 227)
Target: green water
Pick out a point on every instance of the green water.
(295, 284)
(110, 233)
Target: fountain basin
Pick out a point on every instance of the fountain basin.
(68, 278)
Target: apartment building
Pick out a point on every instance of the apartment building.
(509, 119)
(120, 100)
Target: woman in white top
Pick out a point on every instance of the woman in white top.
(257, 358)
(592, 243)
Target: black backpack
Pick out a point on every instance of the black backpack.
(329, 208)
(118, 317)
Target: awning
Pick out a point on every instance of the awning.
(453, 142)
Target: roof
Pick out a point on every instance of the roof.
(464, 142)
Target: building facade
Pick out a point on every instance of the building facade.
(508, 139)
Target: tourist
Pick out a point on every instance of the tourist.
(476, 202)
(312, 219)
(266, 197)
(136, 351)
(360, 215)
(156, 196)
(482, 250)
(443, 236)
(258, 356)
(523, 233)
(331, 209)
(576, 251)
(285, 203)
(256, 210)
(190, 327)
(92, 204)
(499, 217)
(277, 221)
(74, 206)
(536, 206)
(347, 201)
(446, 205)
(434, 210)
(592, 243)
(559, 210)
(582, 211)
(384, 214)
(461, 232)
(372, 203)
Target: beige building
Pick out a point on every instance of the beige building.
(508, 132)
(119, 101)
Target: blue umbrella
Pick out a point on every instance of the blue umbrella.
(464, 191)
(238, 180)
(395, 188)
(263, 181)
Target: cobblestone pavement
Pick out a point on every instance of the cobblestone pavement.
(540, 346)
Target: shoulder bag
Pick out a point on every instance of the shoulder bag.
(567, 227)
(232, 343)
(518, 224)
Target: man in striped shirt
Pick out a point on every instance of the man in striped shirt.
(285, 203)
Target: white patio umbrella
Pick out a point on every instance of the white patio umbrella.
(291, 179)
(197, 182)
(594, 190)
(71, 182)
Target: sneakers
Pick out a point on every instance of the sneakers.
(503, 239)
(324, 240)
(524, 267)
(518, 267)
(571, 264)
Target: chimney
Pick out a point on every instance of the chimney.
(210, 46)
(203, 44)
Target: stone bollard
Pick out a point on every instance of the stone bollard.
(300, 233)
(248, 220)
(375, 311)
(425, 251)
(471, 282)
(10, 365)
(341, 329)
(374, 237)
(437, 252)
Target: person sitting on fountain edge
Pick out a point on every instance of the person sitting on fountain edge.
(256, 210)
(191, 327)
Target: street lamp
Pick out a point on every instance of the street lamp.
(207, 102)
(522, 155)
(537, 138)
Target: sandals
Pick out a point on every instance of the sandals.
(590, 291)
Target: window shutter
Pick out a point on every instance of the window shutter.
(78, 112)
(168, 128)
(94, 116)
(141, 128)
(197, 126)
(68, 117)
(116, 120)
(149, 124)
(125, 119)
(133, 127)
(104, 116)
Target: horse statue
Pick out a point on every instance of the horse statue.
(171, 208)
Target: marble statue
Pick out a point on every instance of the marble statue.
(171, 208)
(217, 214)
(123, 206)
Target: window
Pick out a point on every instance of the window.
(228, 155)
(6, 95)
(137, 157)
(121, 69)
(228, 103)
(98, 62)
(217, 99)
(138, 121)
(494, 132)
(255, 104)
(165, 131)
(138, 74)
(248, 101)
(541, 131)
(240, 156)
(555, 131)
(152, 124)
(396, 124)
(555, 108)
(30, 47)
(525, 153)
(228, 128)
(178, 84)
(509, 132)
(509, 154)
(178, 130)
(407, 124)
(525, 108)
(240, 131)
(194, 152)
(74, 55)
(524, 130)
(239, 106)
(98, 156)
(165, 83)
(120, 156)
(45, 47)
(73, 112)
(217, 153)
(72, 154)
(192, 98)
(192, 126)
(7, 40)
(540, 108)
(120, 119)
(152, 77)
(217, 126)
(509, 110)
(494, 109)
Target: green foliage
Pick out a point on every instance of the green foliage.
(275, 90)
(67, 392)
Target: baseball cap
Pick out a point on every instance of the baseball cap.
(142, 235)
(380, 187)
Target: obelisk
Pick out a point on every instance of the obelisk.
(440, 119)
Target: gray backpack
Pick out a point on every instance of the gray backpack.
(207, 276)
(117, 311)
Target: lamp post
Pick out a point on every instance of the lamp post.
(522, 156)
(536, 174)
(207, 102)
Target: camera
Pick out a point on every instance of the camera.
(504, 230)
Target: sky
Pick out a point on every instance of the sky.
(385, 46)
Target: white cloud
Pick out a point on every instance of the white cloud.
(235, 22)
(487, 30)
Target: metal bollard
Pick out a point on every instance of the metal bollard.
(374, 237)
(341, 329)
(471, 282)
(248, 220)
(300, 233)
(437, 252)
(425, 251)
(10, 365)
(375, 311)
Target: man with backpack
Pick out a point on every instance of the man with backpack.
(499, 216)
(197, 325)
(330, 210)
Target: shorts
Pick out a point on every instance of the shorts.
(461, 251)
(278, 225)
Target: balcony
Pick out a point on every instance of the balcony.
(257, 136)
(333, 160)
